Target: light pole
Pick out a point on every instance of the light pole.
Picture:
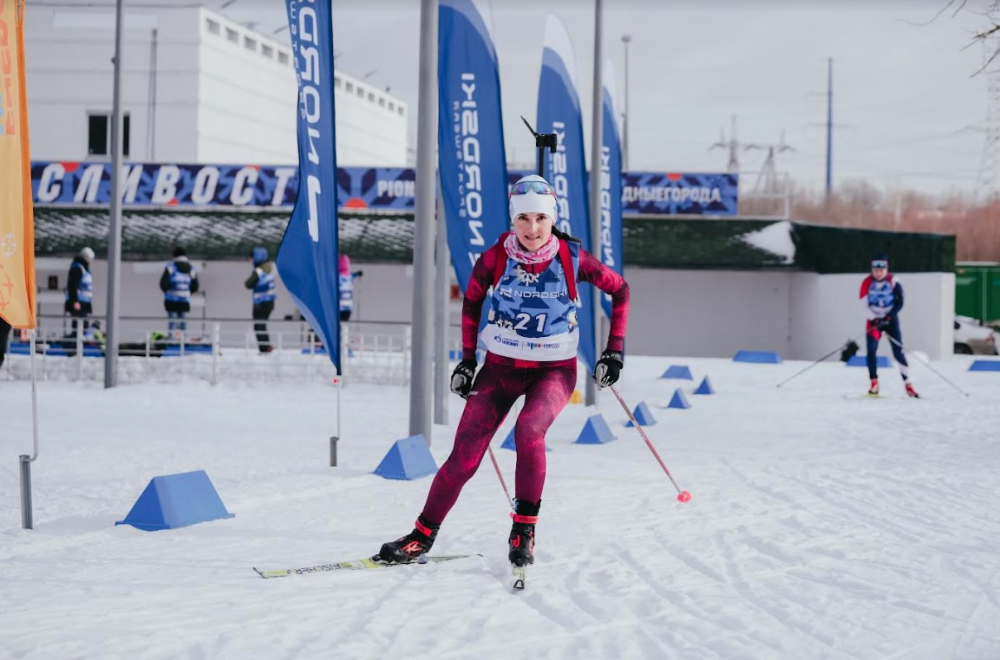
(626, 38)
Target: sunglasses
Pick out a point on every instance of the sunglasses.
(880, 264)
(538, 187)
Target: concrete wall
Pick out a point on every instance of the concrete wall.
(683, 313)
(708, 313)
(827, 312)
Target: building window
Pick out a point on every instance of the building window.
(282, 57)
(213, 26)
(99, 135)
(381, 102)
(400, 111)
(349, 86)
(232, 35)
(371, 97)
(361, 92)
(250, 44)
(267, 51)
(337, 82)
(392, 107)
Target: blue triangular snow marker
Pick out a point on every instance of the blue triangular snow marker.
(678, 371)
(595, 432)
(508, 442)
(705, 387)
(176, 500)
(511, 444)
(407, 459)
(642, 415)
(678, 400)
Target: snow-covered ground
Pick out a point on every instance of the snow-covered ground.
(822, 525)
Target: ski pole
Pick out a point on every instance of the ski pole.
(682, 495)
(503, 483)
(925, 363)
(799, 373)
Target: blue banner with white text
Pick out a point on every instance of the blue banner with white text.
(676, 193)
(566, 168)
(307, 259)
(218, 186)
(609, 246)
(471, 155)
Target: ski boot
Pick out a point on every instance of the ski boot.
(411, 547)
(522, 533)
(910, 392)
(873, 390)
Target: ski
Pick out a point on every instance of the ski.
(352, 565)
(518, 576)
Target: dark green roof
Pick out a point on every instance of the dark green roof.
(153, 234)
(388, 238)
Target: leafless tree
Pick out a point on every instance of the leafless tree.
(990, 10)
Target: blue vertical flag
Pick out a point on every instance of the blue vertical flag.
(307, 259)
(472, 161)
(559, 113)
(609, 246)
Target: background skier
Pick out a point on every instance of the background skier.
(882, 299)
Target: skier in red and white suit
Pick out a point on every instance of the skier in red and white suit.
(531, 340)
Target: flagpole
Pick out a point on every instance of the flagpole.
(421, 380)
(27, 521)
(115, 230)
(596, 144)
(442, 291)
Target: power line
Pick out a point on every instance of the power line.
(732, 144)
(767, 178)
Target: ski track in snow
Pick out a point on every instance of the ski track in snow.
(821, 526)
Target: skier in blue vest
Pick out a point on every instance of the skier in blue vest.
(882, 299)
(80, 289)
(531, 339)
(178, 281)
(262, 282)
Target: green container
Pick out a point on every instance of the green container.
(977, 291)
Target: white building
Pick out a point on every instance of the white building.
(197, 88)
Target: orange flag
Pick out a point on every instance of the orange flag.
(17, 219)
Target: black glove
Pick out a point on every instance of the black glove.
(882, 323)
(461, 378)
(607, 369)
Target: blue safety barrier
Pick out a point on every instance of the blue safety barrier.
(678, 371)
(174, 350)
(510, 443)
(642, 415)
(757, 357)
(862, 361)
(678, 400)
(176, 500)
(407, 459)
(595, 432)
(985, 365)
(705, 387)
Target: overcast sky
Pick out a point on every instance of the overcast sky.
(907, 109)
